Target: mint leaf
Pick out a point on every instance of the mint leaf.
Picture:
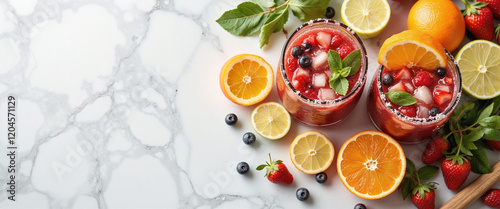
(274, 23)
(491, 122)
(486, 112)
(461, 112)
(496, 100)
(345, 71)
(334, 61)
(340, 85)
(475, 134)
(245, 20)
(405, 187)
(401, 98)
(353, 60)
(308, 9)
(492, 134)
(479, 161)
(267, 3)
(410, 166)
(427, 172)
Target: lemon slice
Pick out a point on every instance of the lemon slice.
(479, 63)
(367, 18)
(311, 152)
(271, 120)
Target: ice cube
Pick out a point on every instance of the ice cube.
(423, 94)
(423, 111)
(319, 80)
(320, 60)
(324, 39)
(328, 73)
(326, 94)
(444, 88)
(409, 87)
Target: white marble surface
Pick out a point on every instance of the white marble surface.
(118, 106)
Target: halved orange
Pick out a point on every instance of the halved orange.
(246, 79)
(311, 152)
(371, 164)
(412, 48)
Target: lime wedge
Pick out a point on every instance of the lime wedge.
(479, 63)
(367, 18)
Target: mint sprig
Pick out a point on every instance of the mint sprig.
(268, 16)
(341, 69)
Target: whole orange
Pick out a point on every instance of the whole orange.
(439, 18)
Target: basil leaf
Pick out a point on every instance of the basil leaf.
(353, 60)
(274, 23)
(427, 172)
(491, 122)
(334, 61)
(345, 71)
(245, 20)
(486, 112)
(479, 161)
(492, 134)
(475, 134)
(410, 166)
(405, 187)
(266, 3)
(401, 98)
(340, 85)
(308, 9)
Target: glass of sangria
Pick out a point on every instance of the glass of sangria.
(303, 72)
(437, 93)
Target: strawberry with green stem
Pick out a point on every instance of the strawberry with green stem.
(479, 20)
(276, 172)
(422, 194)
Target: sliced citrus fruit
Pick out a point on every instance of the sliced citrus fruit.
(311, 152)
(367, 18)
(479, 63)
(271, 120)
(246, 79)
(412, 48)
(371, 164)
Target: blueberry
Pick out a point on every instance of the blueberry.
(321, 177)
(387, 79)
(248, 138)
(330, 13)
(302, 194)
(231, 119)
(434, 111)
(305, 61)
(297, 51)
(242, 167)
(360, 206)
(440, 72)
(307, 47)
(310, 86)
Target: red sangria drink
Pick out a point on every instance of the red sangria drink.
(322, 72)
(437, 93)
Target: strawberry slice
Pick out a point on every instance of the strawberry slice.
(441, 97)
(398, 87)
(344, 50)
(300, 78)
(410, 111)
(422, 79)
(336, 41)
(404, 73)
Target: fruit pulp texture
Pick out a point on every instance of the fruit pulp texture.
(320, 113)
(422, 126)
(313, 81)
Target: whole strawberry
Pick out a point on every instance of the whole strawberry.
(494, 5)
(432, 152)
(276, 172)
(493, 144)
(423, 196)
(455, 169)
(479, 20)
(492, 198)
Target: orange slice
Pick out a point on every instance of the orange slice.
(246, 79)
(412, 48)
(371, 164)
(311, 152)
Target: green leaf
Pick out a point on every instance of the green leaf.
(461, 111)
(479, 161)
(260, 167)
(345, 71)
(401, 98)
(491, 122)
(245, 20)
(335, 75)
(307, 10)
(427, 172)
(334, 61)
(266, 3)
(410, 166)
(405, 187)
(492, 134)
(353, 60)
(469, 145)
(486, 112)
(496, 100)
(475, 134)
(464, 149)
(340, 85)
(274, 23)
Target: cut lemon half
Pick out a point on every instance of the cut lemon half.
(271, 120)
(412, 48)
(367, 18)
(479, 63)
(311, 152)
(246, 79)
(371, 164)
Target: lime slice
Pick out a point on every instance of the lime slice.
(367, 18)
(479, 63)
(271, 120)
